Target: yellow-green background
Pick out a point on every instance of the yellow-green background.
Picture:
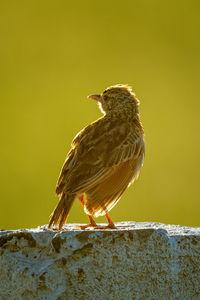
(52, 55)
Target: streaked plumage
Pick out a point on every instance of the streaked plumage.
(106, 157)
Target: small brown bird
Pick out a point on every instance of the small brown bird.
(106, 157)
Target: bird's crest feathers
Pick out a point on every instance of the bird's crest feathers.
(125, 87)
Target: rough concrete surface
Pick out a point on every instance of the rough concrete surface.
(135, 261)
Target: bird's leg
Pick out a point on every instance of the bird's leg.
(110, 225)
(81, 200)
(92, 222)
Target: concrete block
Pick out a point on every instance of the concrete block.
(135, 261)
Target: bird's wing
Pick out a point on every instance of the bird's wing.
(64, 172)
(99, 150)
(103, 196)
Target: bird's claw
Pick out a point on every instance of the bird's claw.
(83, 227)
(109, 226)
(95, 226)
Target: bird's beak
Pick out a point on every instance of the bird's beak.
(95, 97)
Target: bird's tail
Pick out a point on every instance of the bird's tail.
(60, 213)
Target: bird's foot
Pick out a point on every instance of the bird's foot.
(83, 227)
(92, 224)
(109, 226)
(95, 226)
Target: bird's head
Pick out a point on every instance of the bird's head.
(117, 98)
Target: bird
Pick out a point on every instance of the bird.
(105, 158)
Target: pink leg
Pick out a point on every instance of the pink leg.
(110, 222)
(92, 222)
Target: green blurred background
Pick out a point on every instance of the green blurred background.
(55, 53)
